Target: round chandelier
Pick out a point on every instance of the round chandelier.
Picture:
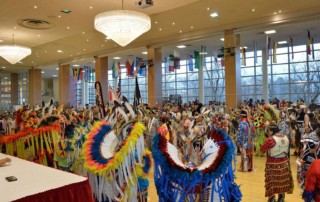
(122, 26)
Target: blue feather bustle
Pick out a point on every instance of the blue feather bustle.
(174, 184)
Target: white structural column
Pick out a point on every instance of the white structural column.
(265, 77)
(201, 83)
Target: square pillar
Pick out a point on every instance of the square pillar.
(101, 69)
(67, 86)
(232, 68)
(35, 96)
(155, 76)
(14, 89)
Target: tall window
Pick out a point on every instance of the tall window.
(185, 83)
(5, 93)
(251, 77)
(291, 77)
(23, 88)
(128, 85)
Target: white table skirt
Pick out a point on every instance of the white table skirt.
(32, 179)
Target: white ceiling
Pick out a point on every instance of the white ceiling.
(180, 21)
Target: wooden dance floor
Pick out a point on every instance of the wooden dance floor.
(251, 184)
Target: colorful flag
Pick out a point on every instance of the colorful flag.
(268, 47)
(176, 63)
(190, 62)
(130, 68)
(309, 43)
(111, 95)
(196, 59)
(223, 62)
(166, 64)
(75, 74)
(216, 59)
(275, 46)
(114, 70)
(143, 69)
(202, 56)
(243, 61)
(291, 44)
(312, 48)
(255, 55)
(137, 97)
(80, 75)
(139, 62)
(171, 63)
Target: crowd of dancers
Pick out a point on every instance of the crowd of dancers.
(256, 128)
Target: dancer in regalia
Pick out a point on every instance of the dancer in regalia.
(278, 176)
(311, 191)
(245, 143)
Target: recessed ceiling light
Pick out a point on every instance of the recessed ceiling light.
(57, 68)
(42, 72)
(83, 32)
(66, 11)
(71, 55)
(102, 45)
(222, 39)
(274, 13)
(78, 53)
(155, 22)
(116, 58)
(60, 51)
(208, 9)
(160, 29)
(35, 6)
(94, 61)
(181, 46)
(87, 40)
(90, 7)
(54, 75)
(76, 65)
(59, 16)
(38, 35)
(45, 51)
(203, 53)
(68, 27)
(270, 32)
(14, 27)
(282, 42)
(1, 41)
(3, 67)
(84, 49)
(122, 65)
(180, 31)
(191, 27)
(145, 53)
(173, 23)
(214, 14)
(253, 10)
(280, 11)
